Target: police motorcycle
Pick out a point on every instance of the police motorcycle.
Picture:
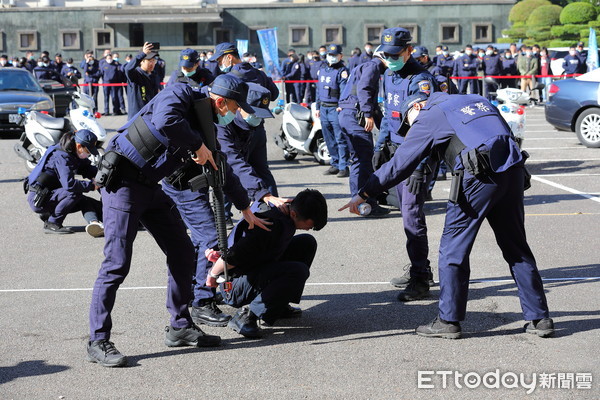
(511, 103)
(301, 132)
(42, 130)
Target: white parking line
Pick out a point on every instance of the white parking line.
(565, 279)
(547, 138)
(533, 159)
(566, 188)
(569, 175)
(552, 148)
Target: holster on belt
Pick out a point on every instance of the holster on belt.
(43, 187)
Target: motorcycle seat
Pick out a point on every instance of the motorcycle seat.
(299, 113)
(48, 121)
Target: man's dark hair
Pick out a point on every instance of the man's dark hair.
(310, 204)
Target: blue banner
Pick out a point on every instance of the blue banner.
(592, 57)
(270, 51)
(242, 46)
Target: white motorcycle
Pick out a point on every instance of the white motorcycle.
(301, 133)
(42, 130)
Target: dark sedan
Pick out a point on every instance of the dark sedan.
(573, 105)
(19, 89)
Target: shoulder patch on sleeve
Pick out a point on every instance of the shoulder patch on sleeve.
(344, 74)
(425, 87)
(297, 66)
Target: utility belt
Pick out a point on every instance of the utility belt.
(327, 104)
(114, 168)
(376, 114)
(43, 187)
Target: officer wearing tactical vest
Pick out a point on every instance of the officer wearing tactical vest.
(360, 114)
(332, 77)
(144, 151)
(405, 77)
(195, 210)
(190, 71)
(488, 182)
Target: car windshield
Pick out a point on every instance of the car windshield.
(20, 81)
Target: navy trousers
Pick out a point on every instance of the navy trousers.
(63, 202)
(498, 199)
(198, 216)
(332, 133)
(271, 287)
(360, 144)
(111, 92)
(473, 84)
(124, 208)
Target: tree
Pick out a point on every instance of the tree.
(521, 11)
(578, 13)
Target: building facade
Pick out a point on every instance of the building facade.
(71, 27)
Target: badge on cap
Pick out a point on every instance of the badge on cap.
(186, 57)
(424, 87)
(387, 38)
(332, 47)
(265, 101)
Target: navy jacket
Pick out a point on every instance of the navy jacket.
(48, 73)
(91, 72)
(248, 73)
(66, 70)
(474, 119)
(362, 87)
(142, 86)
(201, 77)
(466, 65)
(492, 65)
(64, 166)
(111, 73)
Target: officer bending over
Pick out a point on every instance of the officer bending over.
(144, 151)
(270, 268)
(488, 182)
(53, 190)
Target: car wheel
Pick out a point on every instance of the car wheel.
(321, 151)
(587, 127)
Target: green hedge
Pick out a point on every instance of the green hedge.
(594, 24)
(521, 11)
(539, 34)
(518, 33)
(504, 40)
(578, 13)
(560, 43)
(567, 31)
(545, 16)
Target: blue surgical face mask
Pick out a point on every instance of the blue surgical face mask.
(116, 59)
(253, 120)
(225, 69)
(322, 53)
(331, 59)
(186, 73)
(395, 65)
(226, 119)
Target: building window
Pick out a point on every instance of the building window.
(69, 40)
(333, 34)
(482, 33)
(253, 36)
(298, 35)
(103, 38)
(2, 45)
(449, 33)
(28, 40)
(136, 35)
(414, 31)
(373, 33)
(222, 35)
(190, 34)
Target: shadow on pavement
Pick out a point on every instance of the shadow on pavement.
(29, 368)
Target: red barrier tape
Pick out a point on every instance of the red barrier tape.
(473, 77)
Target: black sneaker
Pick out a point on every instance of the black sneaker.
(331, 171)
(209, 314)
(343, 173)
(50, 227)
(244, 322)
(415, 290)
(105, 353)
(541, 327)
(403, 280)
(439, 328)
(191, 336)
(377, 212)
(44, 216)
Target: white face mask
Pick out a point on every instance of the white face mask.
(331, 59)
(445, 53)
(109, 60)
(489, 52)
(69, 65)
(468, 52)
(572, 52)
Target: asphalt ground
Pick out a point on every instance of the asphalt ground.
(354, 340)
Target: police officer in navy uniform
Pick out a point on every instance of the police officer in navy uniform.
(367, 55)
(57, 63)
(466, 66)
(91, 76)
(111, 74)
(43, 70)
(190, 71)
(509, 68)
(421, 54)
(354, 59)
(296, 73)
(492, 65)
(64, 194)
(445, 62)
(332, 77)
(196, 212)
(144, 151)
(142, 79)
(404, 77)
(211, 66)
(360, 98)
(70, 71)
(488, 165)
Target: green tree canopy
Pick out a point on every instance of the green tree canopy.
(521, 11)
(547, 16)
(577, 13)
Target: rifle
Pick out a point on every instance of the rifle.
(213, 178)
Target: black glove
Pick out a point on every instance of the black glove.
(378, 160)
(415, 182)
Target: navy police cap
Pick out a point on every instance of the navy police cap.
(87, 139)
(188, 58)
(334, 49)
(259, 98)
(420, 51)
(394, 40)
(231, 87)
(222, 49)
